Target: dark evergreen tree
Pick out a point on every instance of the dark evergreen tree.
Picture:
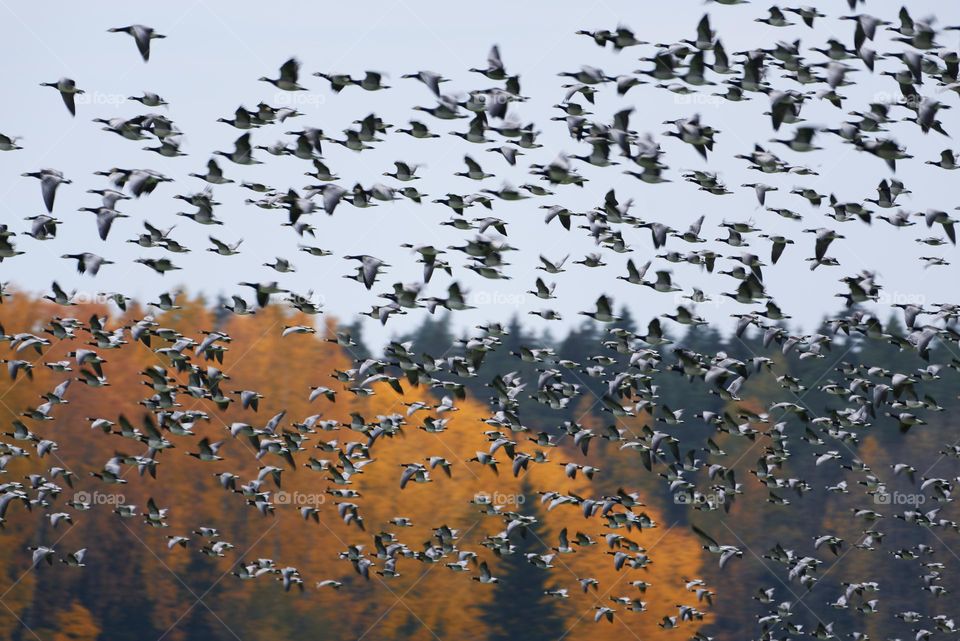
(220, 313)
(626, 321)
(434, 337)
(519, 608)
(360, 351)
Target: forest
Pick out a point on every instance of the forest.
(140, 583)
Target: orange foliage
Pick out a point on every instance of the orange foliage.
(176, 586)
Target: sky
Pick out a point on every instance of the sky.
(213, 55)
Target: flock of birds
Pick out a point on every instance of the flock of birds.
(698, 471)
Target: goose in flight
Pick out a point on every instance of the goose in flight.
(105, 218)
(369, 268)
(289, 74)
(429, 78)
(50, 180)
(9, 143)
(222, 248)
(414, 472)
(214, 174)
(41, 553)
(154, 516)
(149, 99)
(75, 559)
(495, 69)
(604, 312)
(404, 171)
(207, 450)
(68, 91)
(88, 263)
(242, 152)
(485, 576)
(142, 36)
(264, 291)
(159, 265)
(726, 552)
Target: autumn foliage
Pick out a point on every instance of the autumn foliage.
(134, 586)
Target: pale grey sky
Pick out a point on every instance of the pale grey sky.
(213, 54)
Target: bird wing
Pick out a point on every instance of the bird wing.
(142, 37)
(290, 70)
(706, 538)
(48, 185)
